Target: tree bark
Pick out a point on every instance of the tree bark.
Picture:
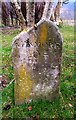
(39, 8)
(30, 8)
(47, 10)
(57, 10)
(19, 14)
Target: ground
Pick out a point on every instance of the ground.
(62, 107)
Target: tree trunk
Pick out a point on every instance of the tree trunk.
(23, 9)
(39, 8)
(47, 10)
(57, 10)
(30, 8)
(5, 13)
(19, 14)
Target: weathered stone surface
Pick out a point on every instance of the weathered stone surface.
(37, 61)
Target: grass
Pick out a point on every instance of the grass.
(6, 65)
(62, 107)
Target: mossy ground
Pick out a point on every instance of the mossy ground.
(62, 107)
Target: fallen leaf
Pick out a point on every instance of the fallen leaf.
(29, 108)
(70, 105)
(7, 107)
(36, 117)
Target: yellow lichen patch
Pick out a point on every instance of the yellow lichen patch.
(43, 34)
(23, 86)
(16, 88)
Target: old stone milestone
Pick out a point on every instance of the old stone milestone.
(36, 57)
